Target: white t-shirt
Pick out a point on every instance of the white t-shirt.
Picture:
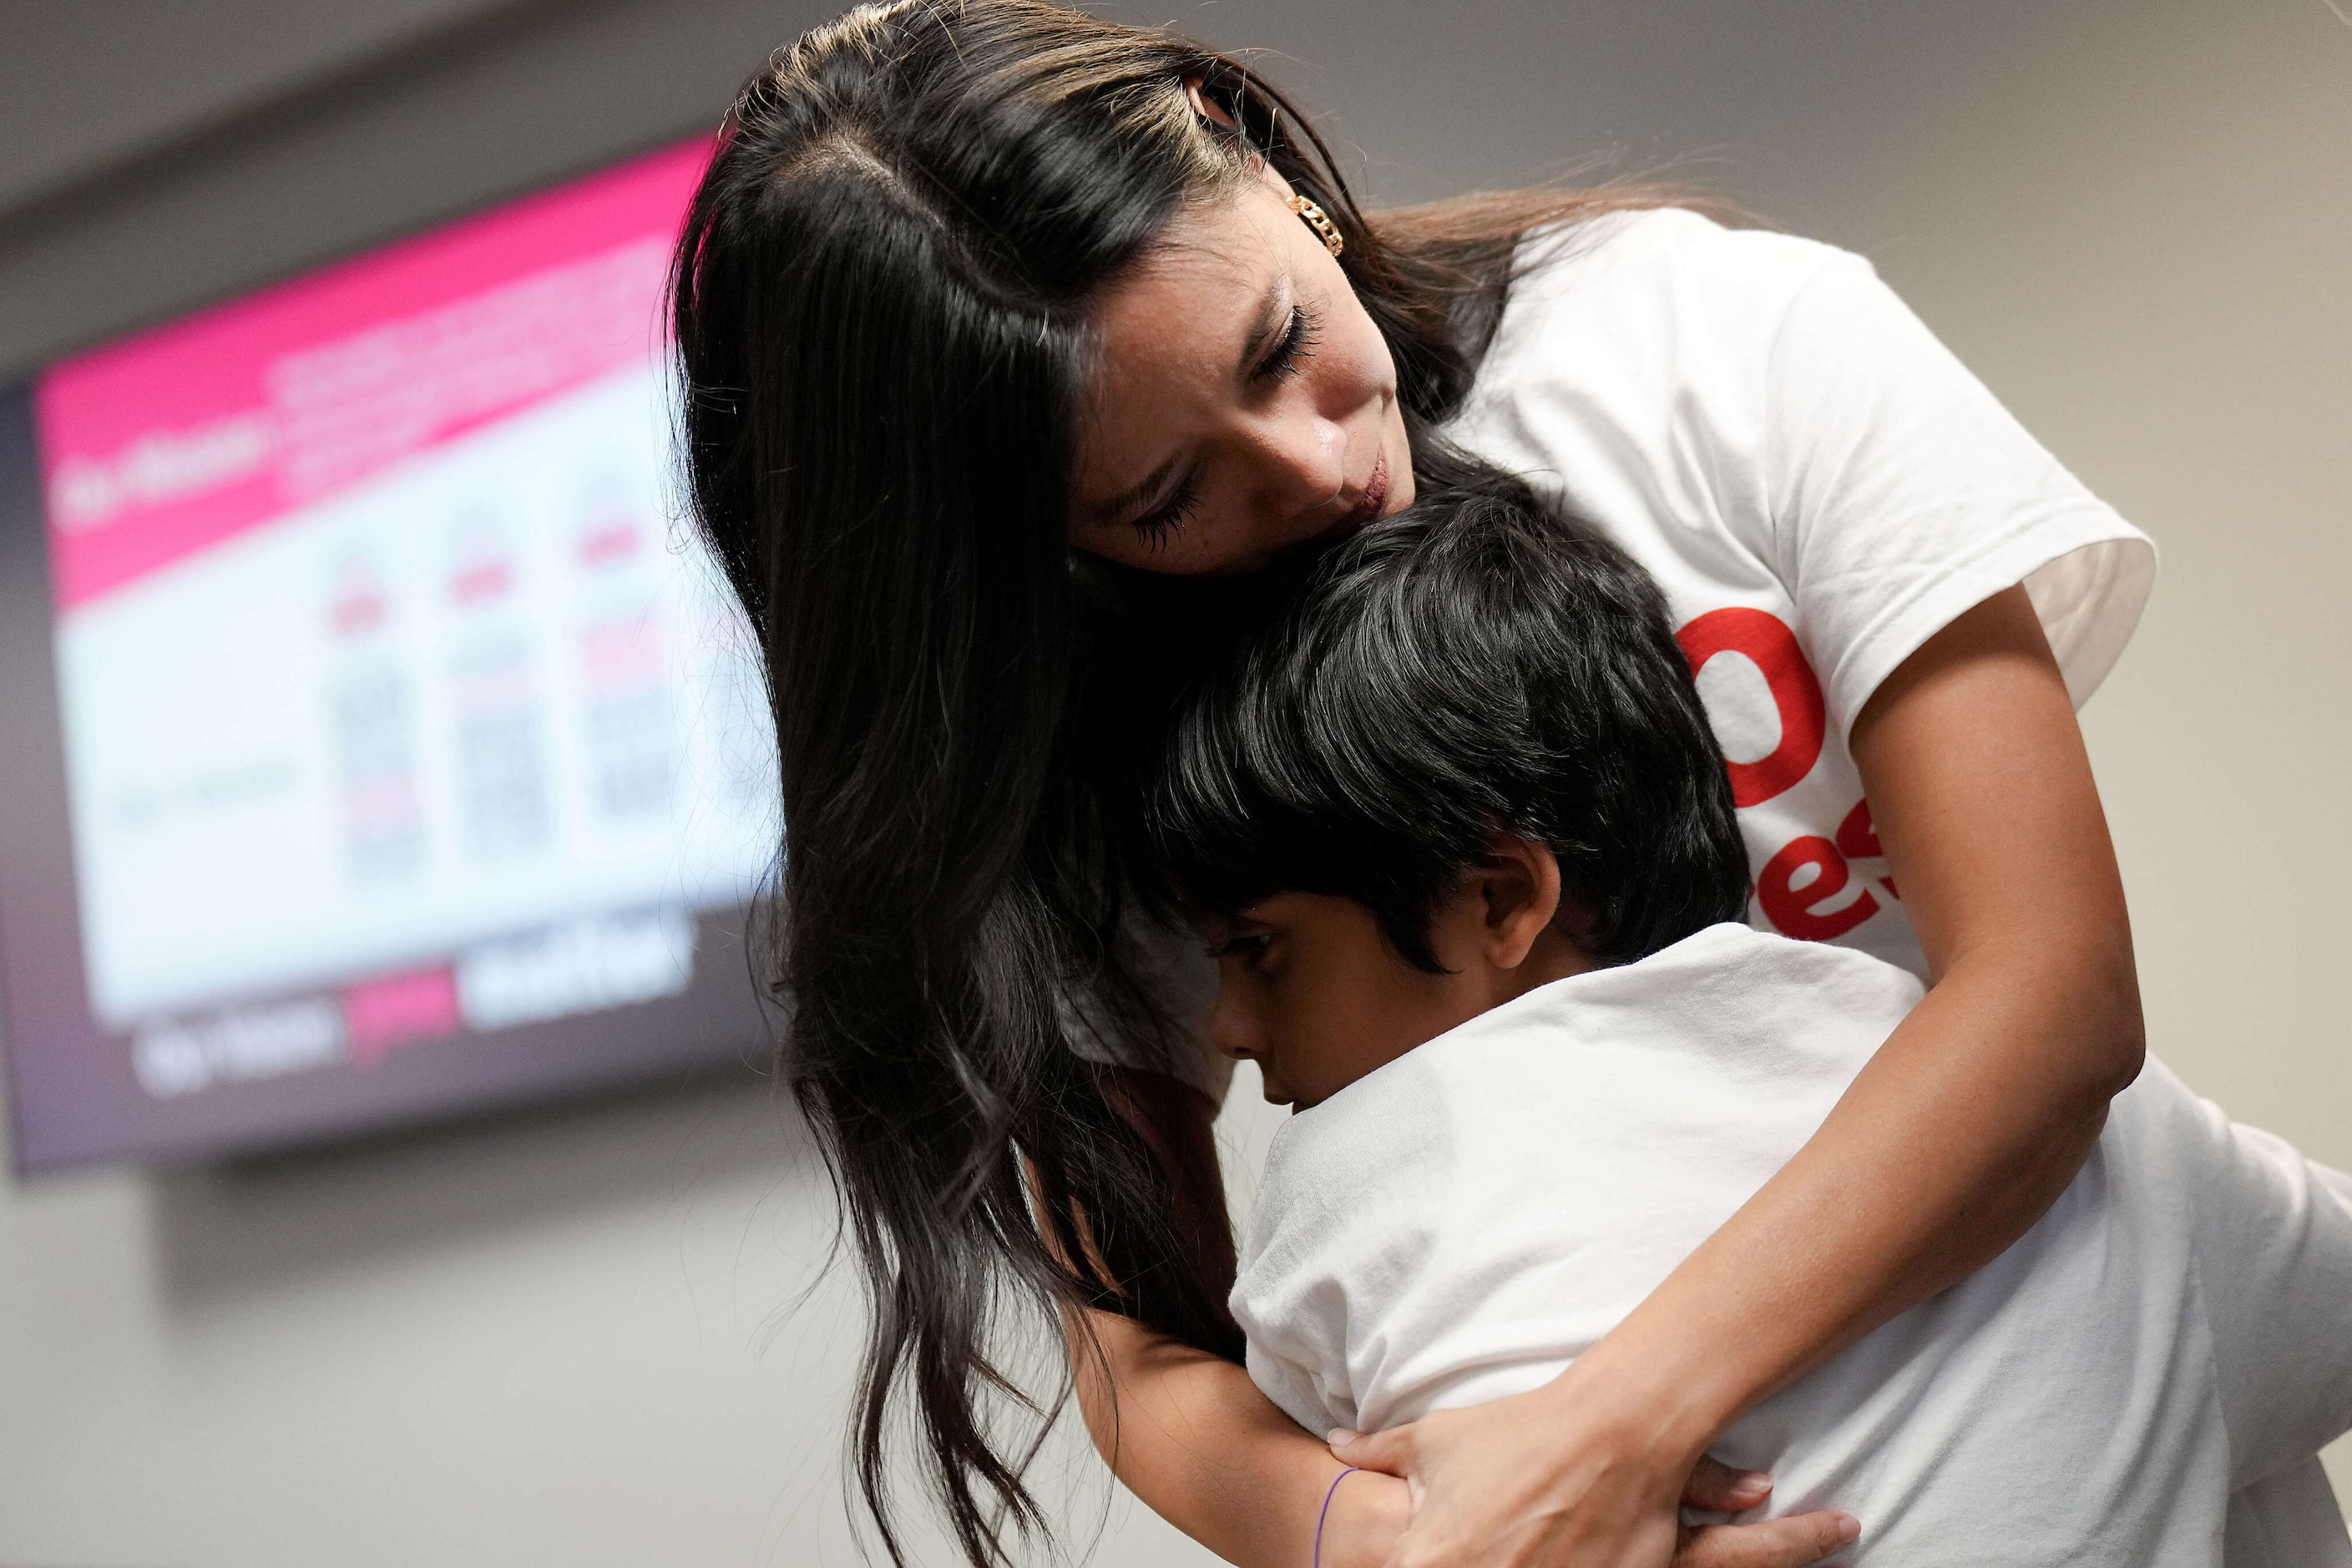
(1818, 485)
(1461, 1223)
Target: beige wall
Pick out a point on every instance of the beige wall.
(564, 1338)
(568, 1340)
(2145, 244)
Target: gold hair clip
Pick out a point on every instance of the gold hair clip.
(1325, 229)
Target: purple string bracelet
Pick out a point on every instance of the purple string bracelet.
(1320, 1517)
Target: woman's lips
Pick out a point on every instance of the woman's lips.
(1376, 494)
(1367, 507)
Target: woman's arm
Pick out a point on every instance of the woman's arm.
(1194, 1438)
(1212, 1454)
(1959, 1133)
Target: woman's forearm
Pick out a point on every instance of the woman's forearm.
(1981, 1107)
(1194, 1438)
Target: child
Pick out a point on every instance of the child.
(1461, 840)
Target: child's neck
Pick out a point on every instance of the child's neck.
(1479, 989)
(1554, 956)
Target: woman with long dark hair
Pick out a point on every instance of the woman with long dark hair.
(1017, 349)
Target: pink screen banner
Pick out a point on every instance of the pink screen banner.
(163, 444)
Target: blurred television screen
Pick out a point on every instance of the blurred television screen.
(381, 744)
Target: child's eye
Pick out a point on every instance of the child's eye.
(1250, 949)
(1296, 343)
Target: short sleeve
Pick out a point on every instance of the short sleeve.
(2280, 1303)
(2271, 1238)
(1900, 493)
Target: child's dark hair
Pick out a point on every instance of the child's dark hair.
(1475, 665)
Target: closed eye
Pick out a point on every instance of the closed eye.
(1296, 343)
(1155, 526)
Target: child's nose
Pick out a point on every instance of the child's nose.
(1231, 1028)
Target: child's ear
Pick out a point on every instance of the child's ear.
(1519, 886)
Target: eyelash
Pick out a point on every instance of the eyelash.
(1297, 343)
(1155, 527)
(1252, 948)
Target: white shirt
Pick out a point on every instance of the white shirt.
(1818, 485)
(1463, 1223)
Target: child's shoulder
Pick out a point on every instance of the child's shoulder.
(1726, 1008)
(1727, 1000)
(1731, 972)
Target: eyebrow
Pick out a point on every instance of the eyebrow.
(1273, 315)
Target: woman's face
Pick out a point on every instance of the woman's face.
(1242, 402)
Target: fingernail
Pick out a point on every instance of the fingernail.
(1752, 1483)
(1849, 1528)
(1339, 1435)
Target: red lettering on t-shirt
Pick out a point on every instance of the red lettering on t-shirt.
(1765, 640)
(1790, 898)
(1857, 839)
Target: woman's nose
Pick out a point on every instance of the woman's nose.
(1302, 459)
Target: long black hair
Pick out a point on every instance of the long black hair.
(1475, 666)
(880, 310)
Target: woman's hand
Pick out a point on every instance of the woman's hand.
(1547, 1479)
(1369, 1516)
(1197, 1441)
(1790, 1543)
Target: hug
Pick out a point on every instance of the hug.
(1461, 840)
(1590, 675)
